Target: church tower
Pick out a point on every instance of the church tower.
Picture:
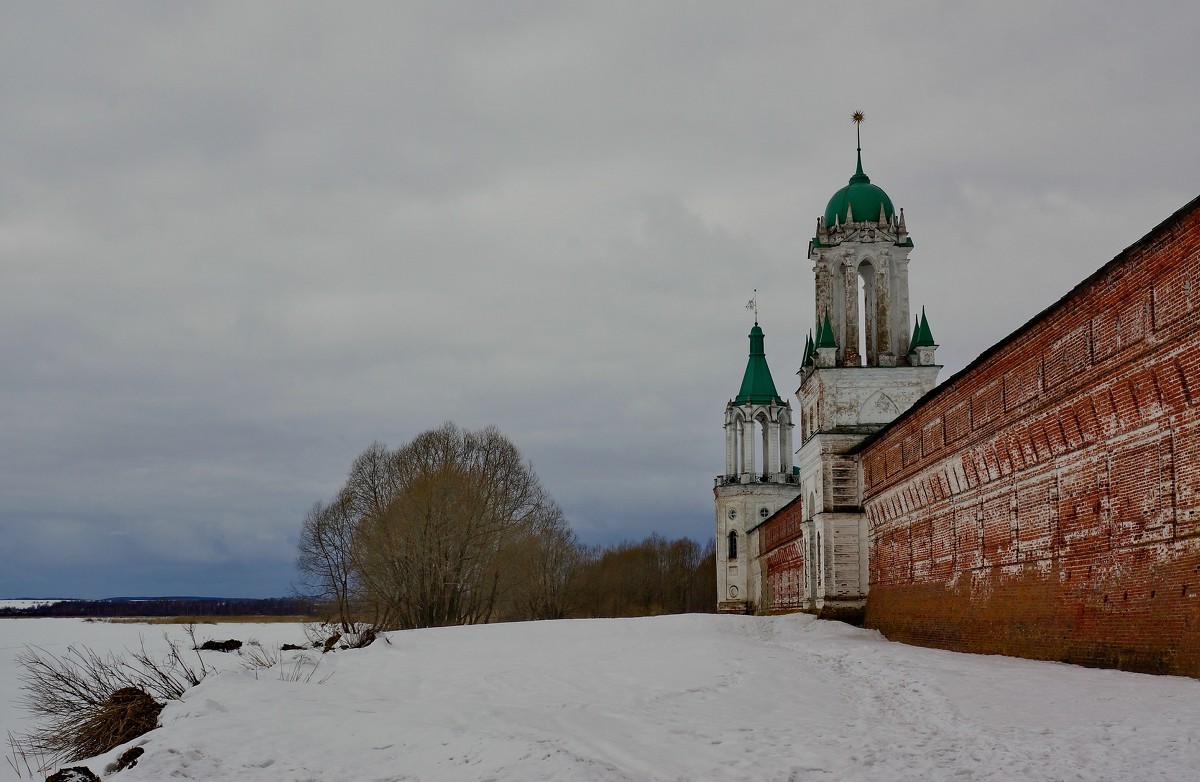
(758, 479)
(865, 365)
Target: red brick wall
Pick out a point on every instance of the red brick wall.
(1045, 502)
(782, 547)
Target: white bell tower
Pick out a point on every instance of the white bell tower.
(758, 479)
(864, 367)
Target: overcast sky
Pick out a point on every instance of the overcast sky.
(241, 241)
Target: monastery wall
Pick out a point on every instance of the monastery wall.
(1045, 501)
(780, 545)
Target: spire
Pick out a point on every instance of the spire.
(865, 197)
(924, 337)
(859, 176)
(757, 386)
(810, 349)
(825, 337)
(912, 343)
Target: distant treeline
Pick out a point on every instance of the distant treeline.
(169, 606)
(655, 576)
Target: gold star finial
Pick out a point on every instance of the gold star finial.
(857, 119)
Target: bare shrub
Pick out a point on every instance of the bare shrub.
(315, 633)
(256, 657)
(300, 668)
(24, 761)
(87, 703)
(123, 716)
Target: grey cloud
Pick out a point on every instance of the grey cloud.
(240, 242)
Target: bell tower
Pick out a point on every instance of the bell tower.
(865, 365)
(758, 480)
(860, 259)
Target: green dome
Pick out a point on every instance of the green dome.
(860, 196)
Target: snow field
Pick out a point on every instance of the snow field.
(669, 698)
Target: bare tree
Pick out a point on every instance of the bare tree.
(436, 533)
(546, 566)
(325, 558)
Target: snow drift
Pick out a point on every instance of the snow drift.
(671, 698)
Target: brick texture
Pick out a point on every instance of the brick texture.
(1045, 501)
(782, 544)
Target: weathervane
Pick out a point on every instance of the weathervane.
(857, 118)
(753, 305)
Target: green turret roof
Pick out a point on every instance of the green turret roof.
(859, 200)
(825, 338)
(810, 349)
(757, 386)
(924, 338)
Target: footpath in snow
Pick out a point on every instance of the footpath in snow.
(693, 697)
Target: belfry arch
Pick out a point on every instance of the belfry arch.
(864, 316)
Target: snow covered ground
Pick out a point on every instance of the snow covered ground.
(669, 698)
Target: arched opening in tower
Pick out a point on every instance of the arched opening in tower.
(866, 313)
(763, 448)
(742, 459)
(759, 443)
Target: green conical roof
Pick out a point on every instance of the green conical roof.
(859, 199)
(924, 335)
(825, 337)
(757, 386)
(916, 332)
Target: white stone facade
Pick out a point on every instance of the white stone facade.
(758, 480)
(741, 506)
(868, 259)
(846, 394)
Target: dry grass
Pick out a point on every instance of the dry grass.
(208, 620)
(123, 716)
(295, 668)
(87, 703)
(25, 761)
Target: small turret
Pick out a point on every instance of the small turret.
(922, 343)
(826, 346)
